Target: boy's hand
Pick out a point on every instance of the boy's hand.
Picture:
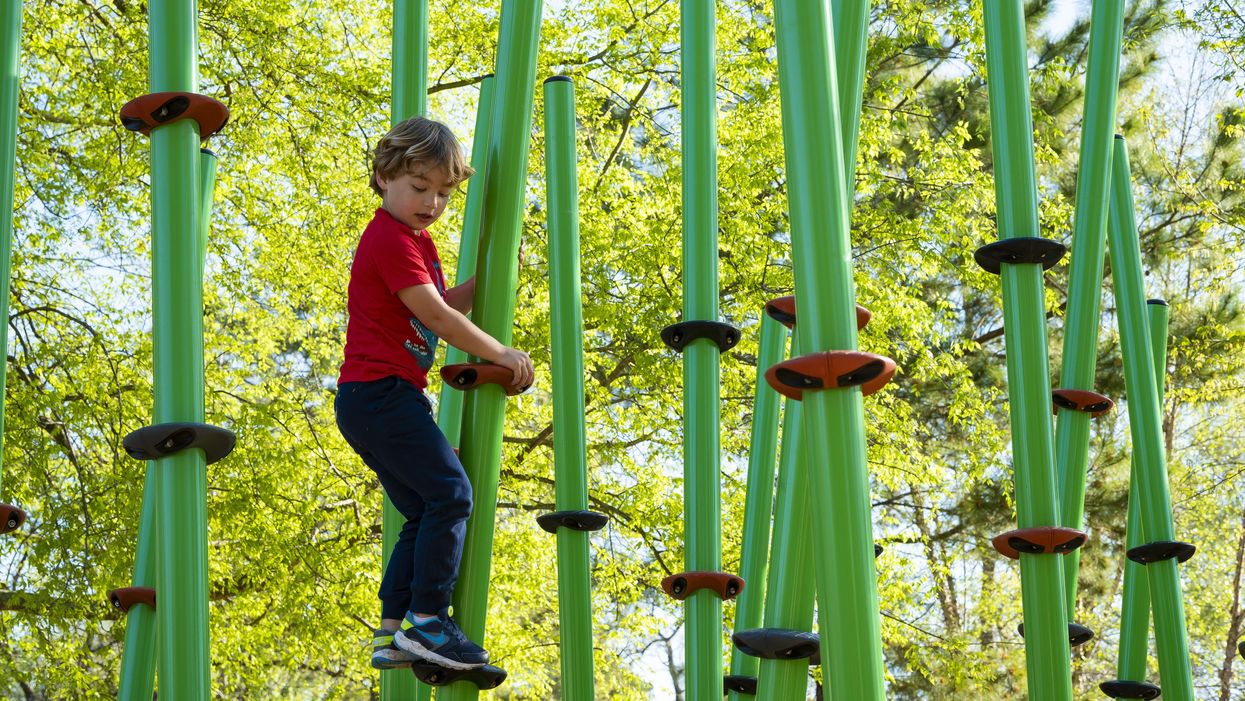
(520, 365)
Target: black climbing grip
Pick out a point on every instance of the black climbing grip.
(142, 114)
(162, 440)
(776, 643)
(1161, 550)
(678, 336)
(1241, 648)
(877, 550)
(739, 683)
(1019, 250)
(1077, 633)
(11, 518)
(684, 584)
(486, 677)
(1124, 689)
(574, 520)
(125, 598)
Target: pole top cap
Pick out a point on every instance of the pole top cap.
(557, 79)
(1160, 302)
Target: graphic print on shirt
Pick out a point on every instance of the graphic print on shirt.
(424, 345)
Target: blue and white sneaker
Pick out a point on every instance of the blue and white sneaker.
(386, 655)
(439, 641)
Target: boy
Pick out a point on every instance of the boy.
(398, 307)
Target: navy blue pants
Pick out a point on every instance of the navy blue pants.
(389, 423)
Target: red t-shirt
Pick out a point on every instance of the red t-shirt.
(383, 338)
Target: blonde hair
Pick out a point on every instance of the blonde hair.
(415, 141)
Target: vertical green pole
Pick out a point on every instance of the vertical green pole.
(10, 48)
(1080, 352)
(789, 591)
(138, 660)
(567, 331)
(702, 506)
(493, 307)
(1135, 607)
(851, 644)
(177, 339)
(409, 79)
(1146, 425)
(851, 40)
(1024, 321)
(758, 506)
(450, 405)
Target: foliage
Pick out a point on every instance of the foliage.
(294, 514)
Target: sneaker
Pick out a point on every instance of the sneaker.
(439, 641)
(386, 655)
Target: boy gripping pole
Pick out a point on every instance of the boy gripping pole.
(398, 308)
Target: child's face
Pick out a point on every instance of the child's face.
(416, 198)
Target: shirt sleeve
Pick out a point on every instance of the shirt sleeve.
(399, 261)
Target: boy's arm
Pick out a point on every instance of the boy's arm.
(460, 297)
(426, 304)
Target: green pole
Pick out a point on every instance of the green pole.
(1135, 608)
(851, 39)
(758, 505)
(10, 48)
(851, 644)
(409, 80)
(177, 339)
(450, 405)
(1147, 432)
(1028, 376)
(1080, 352)
(789, 588)
(702, 504)
(493, 307)
(138, 659)
(567, 330)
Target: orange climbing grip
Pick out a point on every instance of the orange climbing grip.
(11, 518)
(830, 369)
(684, 584)
(1084, 400)
(142, 114)
(125, 598)
(783, 310)
(466, 376)
(1042, 540)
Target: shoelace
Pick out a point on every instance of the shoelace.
(451, 628)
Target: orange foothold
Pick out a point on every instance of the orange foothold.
(684, 584)
(1042, 540)
(125, 598)
(829, 370)
(466, 376)
(142, 114)
(782, 310)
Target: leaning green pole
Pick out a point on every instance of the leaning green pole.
(1089, 240)
(702, 502)
(566, 329)
(758, 504)
(409, 80)
(789, 593)
(177, 339)
(1166, 601)
(138, 659)
(493, 307)
(10, 48)
(1135, 605)
(450, 404)
(1028, 375)
(851, 641)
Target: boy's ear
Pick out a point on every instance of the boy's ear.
(381, 181)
